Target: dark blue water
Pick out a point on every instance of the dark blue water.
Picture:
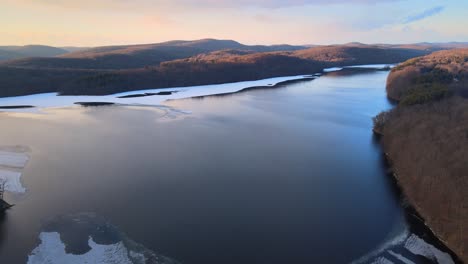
(284, 175)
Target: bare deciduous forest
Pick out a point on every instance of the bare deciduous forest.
(108, 70)
(426, 140)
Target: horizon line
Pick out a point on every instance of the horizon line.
(243, 43)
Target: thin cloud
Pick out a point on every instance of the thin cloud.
(425, 14)
(92, 4)
(277, 3)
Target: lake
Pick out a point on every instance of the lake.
(290, 174)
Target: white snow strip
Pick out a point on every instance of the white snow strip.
(365, 66)
(12, 181)
(372, 66)
(52, 100)
(332, 69)
(418, 246)
(401, 258)
(51, 250)
(13, 159)
(398, 239)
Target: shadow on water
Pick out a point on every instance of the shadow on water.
(392, 102)
(376, 141)
(3, 231)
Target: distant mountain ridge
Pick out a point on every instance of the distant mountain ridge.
(202, 45)
(15, 52)
(112, 69)
(138, 56)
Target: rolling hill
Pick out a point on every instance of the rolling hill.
(15, 52)
(139, 56)
(430, 76)
(112, 69)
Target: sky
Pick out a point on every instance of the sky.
(89, 23)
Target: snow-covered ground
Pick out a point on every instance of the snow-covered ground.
(13, 159)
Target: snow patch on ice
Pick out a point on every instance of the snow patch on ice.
(406, 241)
(13, 159)
(53, 100)
(51, 250)
(12, 181)
(138, 257)
(418, 246)
(365, 66)
(401, 258)
(88, 238)
(332, 69)
(372, 66)
(398, 239)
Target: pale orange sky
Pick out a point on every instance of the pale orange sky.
(110, 22)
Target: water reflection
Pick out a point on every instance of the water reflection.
(3, 232)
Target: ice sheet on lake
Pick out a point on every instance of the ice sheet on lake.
(418, 246)
(13, 159)
(52, 250)
(12, 181)
(87, 238)
(365, 66)
(52, 100)
(401, 258)
(372, 66)
(389, 243)
(332, 69)
(406, 248)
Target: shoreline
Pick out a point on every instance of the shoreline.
(155, 97)
(417, 222)
(252, 88)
